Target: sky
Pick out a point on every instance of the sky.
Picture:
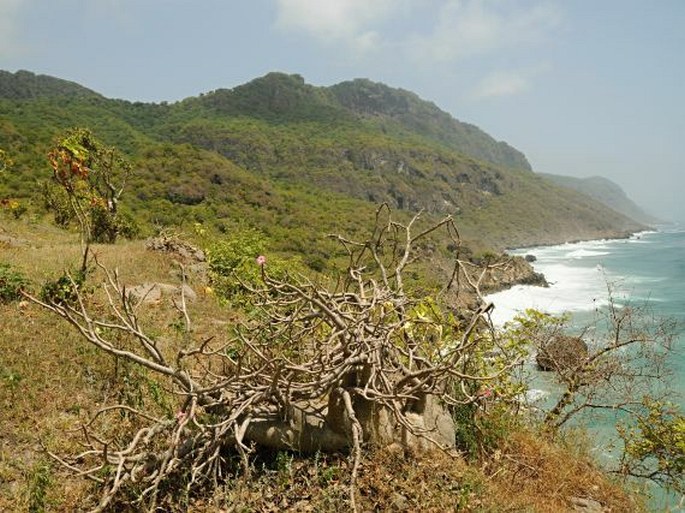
(581, 87)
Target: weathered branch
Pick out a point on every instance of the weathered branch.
(314, 368)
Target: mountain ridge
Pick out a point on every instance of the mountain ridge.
(24, 84)
(359, 142)
(362, 95)
(607, 192)
(276, 94)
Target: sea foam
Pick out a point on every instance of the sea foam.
(577, 278)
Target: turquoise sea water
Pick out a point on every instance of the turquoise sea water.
(648, 268)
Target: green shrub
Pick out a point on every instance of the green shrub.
(40, 481)
(11, 283)
(232, 262)
(237, 263)
(63, 290)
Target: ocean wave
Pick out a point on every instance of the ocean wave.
(535, 395)
(581, 274)
(582, 253)
(557, 299)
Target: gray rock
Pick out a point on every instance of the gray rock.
(584, 505)
(177, 247)
(155, 292)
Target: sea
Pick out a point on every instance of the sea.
(645, 270)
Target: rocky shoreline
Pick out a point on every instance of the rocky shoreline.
(557, 240)
(515, 270)
(523, 273)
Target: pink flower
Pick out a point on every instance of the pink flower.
(180, 415)
(487, 393)
(261, 260)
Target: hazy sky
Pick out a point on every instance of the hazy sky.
(582, 87)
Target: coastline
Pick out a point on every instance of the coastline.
(609, 237)
(573, 284)
(646, 268)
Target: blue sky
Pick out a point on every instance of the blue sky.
(582, 87)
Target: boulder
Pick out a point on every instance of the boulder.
(583, 505)
(433, 426)
(561, 352)
(155, 292)
(181, 249)
(309, 428)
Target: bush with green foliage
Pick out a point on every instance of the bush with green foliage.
(654, 446)
(12, 282)
(64, 290)
(236, 263)
(41, 480)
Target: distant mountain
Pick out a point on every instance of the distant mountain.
(25, 85)
(607, 192)
(296, 161)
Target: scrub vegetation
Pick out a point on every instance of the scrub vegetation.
(210, 310)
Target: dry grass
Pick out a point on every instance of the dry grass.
(529, 473)
(51, 381)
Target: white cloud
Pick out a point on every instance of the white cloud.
(502, 83)
(349, 21)
(471, 27)
(8, 12)
(460, 28)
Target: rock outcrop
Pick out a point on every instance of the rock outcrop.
(155, 292)
(512, 271)
(176, 247)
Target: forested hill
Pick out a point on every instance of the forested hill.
(606, 192)
(24, 84)
(297, 161)
(379, 101)
(278, 97)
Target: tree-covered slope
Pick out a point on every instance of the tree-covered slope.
(281, 98)
(378, 101)
(606, 192)
(24, 84)
(292, 158)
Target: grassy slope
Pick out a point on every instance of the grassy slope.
(51, 380)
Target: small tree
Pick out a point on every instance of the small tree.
(621, 368)
(89, 180)
(654, 445)
(626, 357)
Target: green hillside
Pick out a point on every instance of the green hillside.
(607, 192)
(243, 357)
(291, 158)
(24, 85)
(374, 100)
